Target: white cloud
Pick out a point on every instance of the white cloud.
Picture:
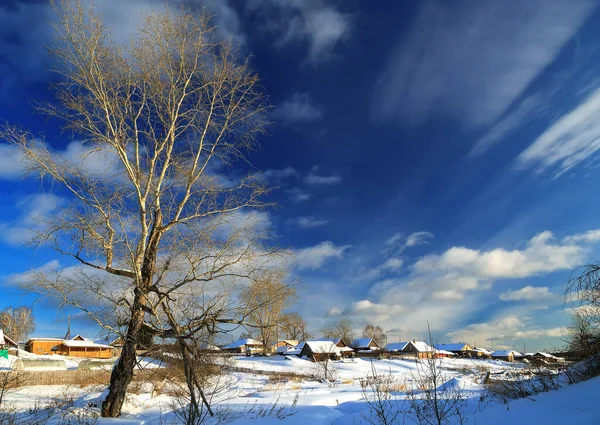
(489, 51)
(527, 293)
(589, 237)
(541, 255)
(316, 256)
(397, 243)
(298, 195)
(11, 162)
(314, 22)
(308, 222)
(317, 180)
(299, 109)
(507, 329)
(278, 176)
(569, 141)
(33, 209)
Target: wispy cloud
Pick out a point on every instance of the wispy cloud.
(571, 140)
(489, 51)
(308, 222)
(527, 293)
(299, 109)
(316, 256)
(319, 180)
(398, 243)
(318, 23)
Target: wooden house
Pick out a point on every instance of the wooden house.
(417, 349)
(365, 345)
(244, 346)
(319, 351)
(460, 349)
(543, 357)
(506, 355)
(345, 349)
(82, 347)
(43, 346)
(7, 343)
(281, 347)
(479, 353)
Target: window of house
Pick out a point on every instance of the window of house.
(40, 350)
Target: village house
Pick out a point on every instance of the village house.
(319, 351)
(417, 349)
(76, 347)
(367, 345)
(461, 349)
(345, 349)
(479, 353)
(244, 346)
(506, 355)
(543, 357)
(7, 343)
(281, 347)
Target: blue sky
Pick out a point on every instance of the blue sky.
(435, 161)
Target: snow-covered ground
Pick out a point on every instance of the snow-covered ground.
(249, 397)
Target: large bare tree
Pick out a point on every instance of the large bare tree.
(153, 220)
(17, 322)
(376, 334)
(294, 327)
(266, 299)
(339, 329)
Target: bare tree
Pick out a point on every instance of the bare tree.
(583, 335)
(17, 322)
(376, 334)
(157, 227)
(340, 329)
(582, 293)
(267, 298)
(383, 407)
(294, 327)
(435, 398)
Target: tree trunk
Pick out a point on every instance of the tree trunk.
(123, 371)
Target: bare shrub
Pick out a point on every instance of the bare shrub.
(383, 408)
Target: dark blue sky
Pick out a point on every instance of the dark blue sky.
(436, 160)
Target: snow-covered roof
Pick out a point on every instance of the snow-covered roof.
(506, 353)
(5, 340)
(361, 343)
(290, 342)
(447, 353)
(546, 355)
(455, 346)
(482, 350)
(85, 344)
(422, 347)
(334, 340)
(241, 342)
(396, 346)
(327, 347)
(45, 339)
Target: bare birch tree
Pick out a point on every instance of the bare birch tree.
(267, 298)
(156, 228)
(17, 322)
(294, 327)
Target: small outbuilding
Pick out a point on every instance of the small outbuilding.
(544, 357)
(43, 346)
(345, 349)
(282, 346)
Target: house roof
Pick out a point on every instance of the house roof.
(455, 346)
(505, 353)
(84, 343)
(336, 341)
(447, 353)
(546, 355)
(290, 342)
(326, 347)
(5, 340)
(362, 343)
(44, 339)
(241, 342)
(422, 346)
(482, 350)
(396, 346)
